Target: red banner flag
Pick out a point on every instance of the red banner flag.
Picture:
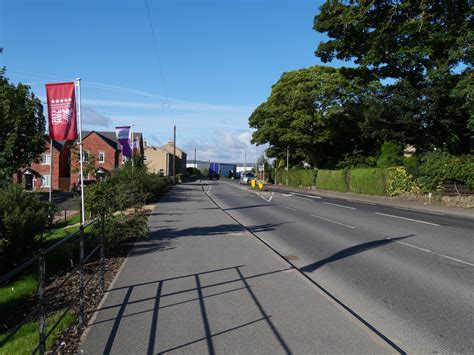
(61, 111)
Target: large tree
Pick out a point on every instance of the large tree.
(22, 127)
(425, 47)
(313, 111)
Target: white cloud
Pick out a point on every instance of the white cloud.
(91, 117)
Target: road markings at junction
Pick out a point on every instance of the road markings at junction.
(330, 220)
(266, 199)
(408, 219)
(287, 195)
(335, 204)
(431, 252)
(288, 208)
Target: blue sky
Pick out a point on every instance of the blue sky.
(219, 59)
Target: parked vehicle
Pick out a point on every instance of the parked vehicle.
(245, 178)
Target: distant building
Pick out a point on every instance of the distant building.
(159, 160)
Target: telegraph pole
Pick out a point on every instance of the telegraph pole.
(195, 166)
(174, 154)
(287, 164)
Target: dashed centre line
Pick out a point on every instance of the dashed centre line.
(408, 219)
(330, 220)
(335, 204)
(431, 252)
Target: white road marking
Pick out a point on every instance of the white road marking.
(330, 220)
(308, 196)
(431, 252)
(335, 204)
(210, 187)
(288, 208)
(269, 199)
(412, 210)
(407, 219)
(304, 198)
(287, 195)
(364, 203)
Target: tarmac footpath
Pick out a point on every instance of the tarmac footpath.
(202, 284)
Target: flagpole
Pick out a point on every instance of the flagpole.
(131, 130)
(78, 82)
(50, 169)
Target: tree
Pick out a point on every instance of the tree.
(422, 45)
(315, 112)
(403, 39)
(22, 122)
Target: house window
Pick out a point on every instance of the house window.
(46, 181)
(145, 158)
(101, 157)
(85, 157)
(46, 159)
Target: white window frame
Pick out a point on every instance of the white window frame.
(85, 157)
(45, 159)
(124, 159)
(101, 161)
(46, 181)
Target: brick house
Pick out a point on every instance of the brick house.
(37, 176)
(102, 154)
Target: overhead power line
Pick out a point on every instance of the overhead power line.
(156, 49)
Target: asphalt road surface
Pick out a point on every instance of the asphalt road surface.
(409, 274)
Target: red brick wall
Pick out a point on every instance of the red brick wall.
(43, 169)
(93, 144)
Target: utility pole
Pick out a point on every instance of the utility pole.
(195, 166)
(174, 154)
(287, 164)
(245, 162)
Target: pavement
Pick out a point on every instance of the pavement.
(201, 283)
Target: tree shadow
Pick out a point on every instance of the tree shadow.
(356, 249)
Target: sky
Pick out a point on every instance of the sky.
(214, 62)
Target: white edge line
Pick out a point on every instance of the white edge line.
(412, 210)
(408, 219)
(330, 220)
(288, 208)
(307, 196)
(287, 195)
(431, 252)
(335, 204)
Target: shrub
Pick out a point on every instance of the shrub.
(433, 168)
(335, 180)
(368, 181)
(356, 161)
(22, 217)
(398, 181)
(300, 177)
(121, 227)
(390, 155)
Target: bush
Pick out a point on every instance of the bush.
(22, 217)
(368, 181)
(390, 155)
(433, 168)
(121, 227)
(298, 177)
(356, 161)
(335, 180)
(399, 181)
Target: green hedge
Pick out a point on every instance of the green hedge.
(370, 181)
(302, 177)
(335, 180)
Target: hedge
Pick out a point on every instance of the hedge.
(369, 181)
(335, 180)
(302, 177)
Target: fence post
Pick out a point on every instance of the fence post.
(81, 276)
(102, 249)
(41, 296)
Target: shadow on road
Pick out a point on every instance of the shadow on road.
(356, 249)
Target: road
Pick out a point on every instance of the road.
(408, 274)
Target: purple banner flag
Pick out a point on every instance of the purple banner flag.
(123, 136)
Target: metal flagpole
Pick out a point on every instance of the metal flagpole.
(50, 169)
(78, 83)
(174, 154)
(133, 142)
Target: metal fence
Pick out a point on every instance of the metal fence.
(39, 310)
